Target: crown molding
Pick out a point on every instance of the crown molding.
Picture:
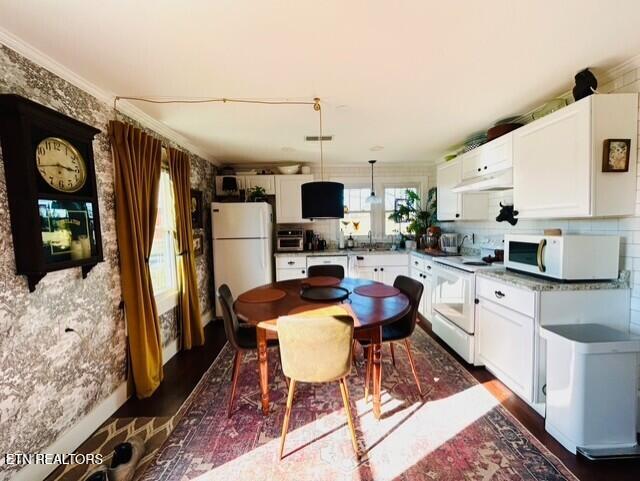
(613, 73)
(125, 107)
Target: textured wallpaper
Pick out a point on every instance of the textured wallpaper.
(49, 379)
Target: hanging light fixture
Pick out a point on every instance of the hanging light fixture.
(320, 199)
(373, 199)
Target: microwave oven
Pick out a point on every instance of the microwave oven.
(565, 258)
(290, 240)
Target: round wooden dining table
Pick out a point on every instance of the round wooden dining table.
(263, 305)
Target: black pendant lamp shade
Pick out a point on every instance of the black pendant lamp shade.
(322, 200)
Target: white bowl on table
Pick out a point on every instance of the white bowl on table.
(289, 169)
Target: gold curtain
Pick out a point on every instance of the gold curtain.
(137, 159)
(191, 321)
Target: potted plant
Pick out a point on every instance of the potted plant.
(256, 194)
(410, 211)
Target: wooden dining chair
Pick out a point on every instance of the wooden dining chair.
(241, 337)
(330, 340)
(330, 270)
(400, 330)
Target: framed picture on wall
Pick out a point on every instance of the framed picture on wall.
(615, 155)
(198, 244)
(196, 209)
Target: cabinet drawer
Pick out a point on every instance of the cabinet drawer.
(291, 262)
(420, 263)
(327, 260)
(519, 300)
(383, 260)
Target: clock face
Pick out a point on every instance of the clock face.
(61, 165)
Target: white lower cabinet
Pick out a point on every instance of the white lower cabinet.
(420, 270)
(380, 267)
(505, 345)
(287, 274)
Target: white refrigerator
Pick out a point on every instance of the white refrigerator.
(242, 247)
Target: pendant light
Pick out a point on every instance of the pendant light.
(373, 199)
(320, 199)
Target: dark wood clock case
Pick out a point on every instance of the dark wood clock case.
(23, 124)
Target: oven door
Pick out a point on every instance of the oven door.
(453, 296)
(289, 244)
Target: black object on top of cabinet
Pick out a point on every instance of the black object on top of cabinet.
(51, 188)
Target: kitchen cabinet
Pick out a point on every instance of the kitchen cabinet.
(290, 267)
(287, 274)
(380, 267)
(420, 270)
(454, 205)
(505, 345)
(508, 320)
(289, 198)
(558, 160)
(267, 182)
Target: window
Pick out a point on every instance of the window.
(162, 262)
(357, 216)
(391, 195)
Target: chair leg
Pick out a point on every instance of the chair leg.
(413, 366)
(287, 415)
(237, 362)
(393, 355)
(367, 375)
(347, 407)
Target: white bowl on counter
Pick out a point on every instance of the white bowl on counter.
(289, 169)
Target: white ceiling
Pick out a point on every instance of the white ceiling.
(412, 76)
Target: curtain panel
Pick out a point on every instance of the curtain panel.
(137, 160)
(190, 317)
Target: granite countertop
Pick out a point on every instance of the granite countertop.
(343, 252)
(532, 283)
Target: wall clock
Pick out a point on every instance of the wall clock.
(51, 187)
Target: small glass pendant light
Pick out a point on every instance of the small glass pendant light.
(373, 199)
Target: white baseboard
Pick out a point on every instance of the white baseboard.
(75, 436)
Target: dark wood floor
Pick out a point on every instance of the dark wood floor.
(183, 372)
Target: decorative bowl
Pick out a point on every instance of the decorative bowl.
(289, 169)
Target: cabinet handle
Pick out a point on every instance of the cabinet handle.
(485, 167)
(382, 268)
(479, 169)
(303, 271)
(375, 269)
(429, 267)
(476, 301)
(415, 262)
(290, 263)
(457, 215)
(499, 294)
(359, 258)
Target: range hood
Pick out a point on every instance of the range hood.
(500, 180)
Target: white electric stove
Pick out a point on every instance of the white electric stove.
(454, 295)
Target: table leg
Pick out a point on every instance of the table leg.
(376, 345)
(264, 368)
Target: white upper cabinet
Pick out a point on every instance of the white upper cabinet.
(558, 160)
(456, 206)
(267, 182)
(491, 157)
(289, 198)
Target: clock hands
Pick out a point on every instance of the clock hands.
(58, 165)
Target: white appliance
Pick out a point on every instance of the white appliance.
(565, 257)
(496, 181)
(242, 246)
(592, 389)
(453, 302)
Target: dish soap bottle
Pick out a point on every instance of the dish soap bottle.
(350, 242)
(341, 240)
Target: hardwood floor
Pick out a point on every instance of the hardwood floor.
(183, 372)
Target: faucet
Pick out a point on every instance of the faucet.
(465, 237)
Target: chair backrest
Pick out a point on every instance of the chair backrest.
(413, 290)
(315, 349)
(331, 270)
(231, 324)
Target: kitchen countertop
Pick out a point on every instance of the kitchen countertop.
(350, 252)
(532, 283)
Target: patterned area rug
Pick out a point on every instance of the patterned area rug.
(457, 431)
(154, 431)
